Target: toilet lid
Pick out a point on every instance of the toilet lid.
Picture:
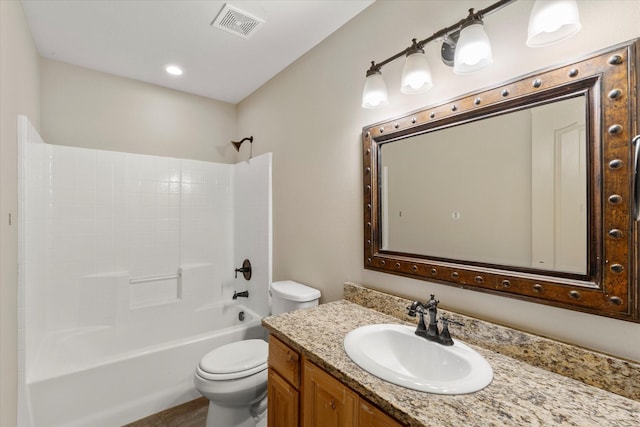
(236, 357)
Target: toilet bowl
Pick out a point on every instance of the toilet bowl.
(234, 379)
(234, 376)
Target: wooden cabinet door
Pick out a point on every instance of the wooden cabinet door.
(327, 402)
(285, 361)
(282, 402)
(370, 416)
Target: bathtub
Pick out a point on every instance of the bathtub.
(109, 376)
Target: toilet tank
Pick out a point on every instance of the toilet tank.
(288, 295)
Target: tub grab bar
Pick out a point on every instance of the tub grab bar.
(155, 278)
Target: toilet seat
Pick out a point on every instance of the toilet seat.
(235, 360)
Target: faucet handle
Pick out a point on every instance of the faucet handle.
(445, 336)
(411, 311)
(445, 322)
(415, 307)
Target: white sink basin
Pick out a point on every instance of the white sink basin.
(395, 354)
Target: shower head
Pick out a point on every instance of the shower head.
(239, 143)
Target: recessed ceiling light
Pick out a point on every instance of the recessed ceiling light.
(174, 70)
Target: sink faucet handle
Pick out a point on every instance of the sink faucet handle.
(445, 336)
(415, 307)
(411, 311)
(445, 321)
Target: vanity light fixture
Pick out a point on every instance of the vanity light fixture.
(416, 74)
(466, 47)
(552, 21)
(473, 50)
(374, 94)
(174, 70)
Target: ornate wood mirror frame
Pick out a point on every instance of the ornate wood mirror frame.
(608, 79)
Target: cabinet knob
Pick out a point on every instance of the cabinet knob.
(332, 404)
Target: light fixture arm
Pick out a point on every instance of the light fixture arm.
(443, 33)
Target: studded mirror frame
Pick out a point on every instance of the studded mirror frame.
(610, 286)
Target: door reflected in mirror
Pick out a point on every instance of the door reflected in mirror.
(505, 190)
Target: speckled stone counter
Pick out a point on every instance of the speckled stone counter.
(520, 394)
(597, 369)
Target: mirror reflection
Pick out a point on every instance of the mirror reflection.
(506, 190)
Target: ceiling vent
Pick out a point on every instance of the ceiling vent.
(236, 21)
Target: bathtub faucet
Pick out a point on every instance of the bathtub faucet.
(245, 270)
(244, 294)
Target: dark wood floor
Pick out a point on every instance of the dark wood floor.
(190, 414)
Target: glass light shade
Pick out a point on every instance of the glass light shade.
(416, 75)
(374, 94)
(473, 51)
(552, 21)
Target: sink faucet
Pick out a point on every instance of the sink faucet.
(431, 332)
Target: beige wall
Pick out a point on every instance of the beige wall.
(86, 108)
(19, 94)
(309, 116)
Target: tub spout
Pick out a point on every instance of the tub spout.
(244, 294)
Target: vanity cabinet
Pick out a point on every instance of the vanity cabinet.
(283, 384)
(303, 394)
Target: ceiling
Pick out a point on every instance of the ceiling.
(137, 38)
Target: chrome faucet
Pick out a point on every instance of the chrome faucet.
(431, 332)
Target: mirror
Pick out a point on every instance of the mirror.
(519, 175)
(525, 190)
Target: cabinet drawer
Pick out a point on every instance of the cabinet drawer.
(285, 361)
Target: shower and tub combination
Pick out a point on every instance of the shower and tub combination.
(127, 277)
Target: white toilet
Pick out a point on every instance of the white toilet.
(234, 376)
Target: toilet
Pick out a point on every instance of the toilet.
(234, 376)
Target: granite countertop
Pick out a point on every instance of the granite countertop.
(520, 394)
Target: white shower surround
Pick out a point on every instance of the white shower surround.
(92, 220)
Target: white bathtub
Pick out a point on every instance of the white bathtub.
(109, 376)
